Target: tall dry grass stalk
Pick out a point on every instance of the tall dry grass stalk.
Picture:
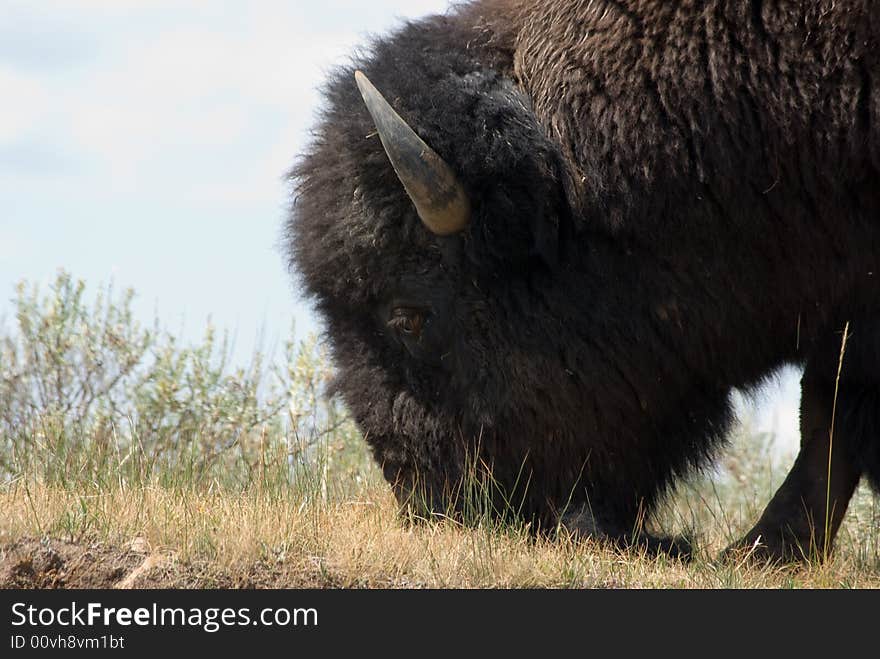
(826, 547)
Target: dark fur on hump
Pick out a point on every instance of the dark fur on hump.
(670, 200)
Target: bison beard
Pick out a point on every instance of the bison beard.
(666, 200)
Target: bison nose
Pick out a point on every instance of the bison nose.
(400, 485)
(391, 473)
(414, 499)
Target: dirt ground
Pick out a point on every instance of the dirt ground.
(53, 563)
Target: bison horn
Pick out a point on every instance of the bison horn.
(439, 198)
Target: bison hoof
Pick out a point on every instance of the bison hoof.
(754, 549)
(676, 546)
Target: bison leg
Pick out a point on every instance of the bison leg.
(803, 517)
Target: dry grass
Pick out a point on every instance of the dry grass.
(216, 536)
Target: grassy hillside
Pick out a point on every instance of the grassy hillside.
(129, 460)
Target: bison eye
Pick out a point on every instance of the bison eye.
(408, 321)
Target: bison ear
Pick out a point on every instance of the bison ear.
(524, 223)
(546, 244)
(548, 222)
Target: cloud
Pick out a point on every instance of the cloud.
(34, 159)
(31, 43)
(191, 102)
(25, 104)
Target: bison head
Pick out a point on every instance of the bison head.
(426, 226)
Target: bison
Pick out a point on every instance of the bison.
(548, 237)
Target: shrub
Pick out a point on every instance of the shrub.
(87, 393)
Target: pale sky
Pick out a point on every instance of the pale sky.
(145, 141)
